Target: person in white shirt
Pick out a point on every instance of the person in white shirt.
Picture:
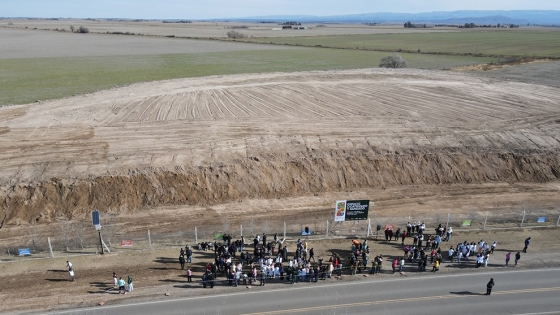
(71, 273)
(451, 252)
(493, 247)
(479, 260)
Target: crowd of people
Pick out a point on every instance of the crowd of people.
(270, 260)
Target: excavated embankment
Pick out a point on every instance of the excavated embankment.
(220, 139)
(256, 178)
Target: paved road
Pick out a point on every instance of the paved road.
(516, 292)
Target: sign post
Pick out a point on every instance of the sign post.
(96, 222)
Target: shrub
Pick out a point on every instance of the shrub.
(82, 29)
(393, 61)
(235, 34)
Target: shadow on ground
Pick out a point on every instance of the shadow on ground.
(466, 293)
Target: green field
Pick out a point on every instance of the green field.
(27, 80)
(537, 43)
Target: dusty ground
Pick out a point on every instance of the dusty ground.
(44, 284)
(545, 73)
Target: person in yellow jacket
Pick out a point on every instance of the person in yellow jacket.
(436, 266)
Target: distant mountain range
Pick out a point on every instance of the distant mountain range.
(522, 17)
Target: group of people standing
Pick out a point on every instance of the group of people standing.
(121, 284)
(269, 261)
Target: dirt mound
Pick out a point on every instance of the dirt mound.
(218, 139)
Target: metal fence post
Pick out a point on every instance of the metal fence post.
(523, 219)
(558, 221)
(50, 247)
(149, 240)
(485, 219)
(241, 229)
(447, 220)
(284, 230)
(195, 235)
(327, 231)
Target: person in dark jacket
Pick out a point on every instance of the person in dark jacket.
(489, 286)
(527, 241)
(182, 261)
(517, 257)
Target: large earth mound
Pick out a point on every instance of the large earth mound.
(218, 139)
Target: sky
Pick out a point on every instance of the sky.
(209, 9)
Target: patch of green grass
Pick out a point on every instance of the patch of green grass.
(27, 80)
(537, 43)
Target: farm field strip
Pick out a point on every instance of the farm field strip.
(216, 30)
(63, 69)
(515, 42)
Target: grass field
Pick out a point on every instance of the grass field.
(518, 42)
(26, 80)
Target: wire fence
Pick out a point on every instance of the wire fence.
(79, 238)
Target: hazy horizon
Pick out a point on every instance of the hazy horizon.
(218, 9)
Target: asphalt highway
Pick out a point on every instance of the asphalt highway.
(516, 291)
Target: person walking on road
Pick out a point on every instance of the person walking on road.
(508, 256)
(489, 286)
(527, 241)
(517, 257)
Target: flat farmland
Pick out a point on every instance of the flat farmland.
(508, 42)
(40, 65)
(212, 29)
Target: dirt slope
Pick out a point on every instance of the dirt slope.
(218, 139)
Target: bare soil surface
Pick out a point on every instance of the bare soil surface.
(219, 139)
(545, 73)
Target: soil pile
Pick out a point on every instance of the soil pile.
(218, 139)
